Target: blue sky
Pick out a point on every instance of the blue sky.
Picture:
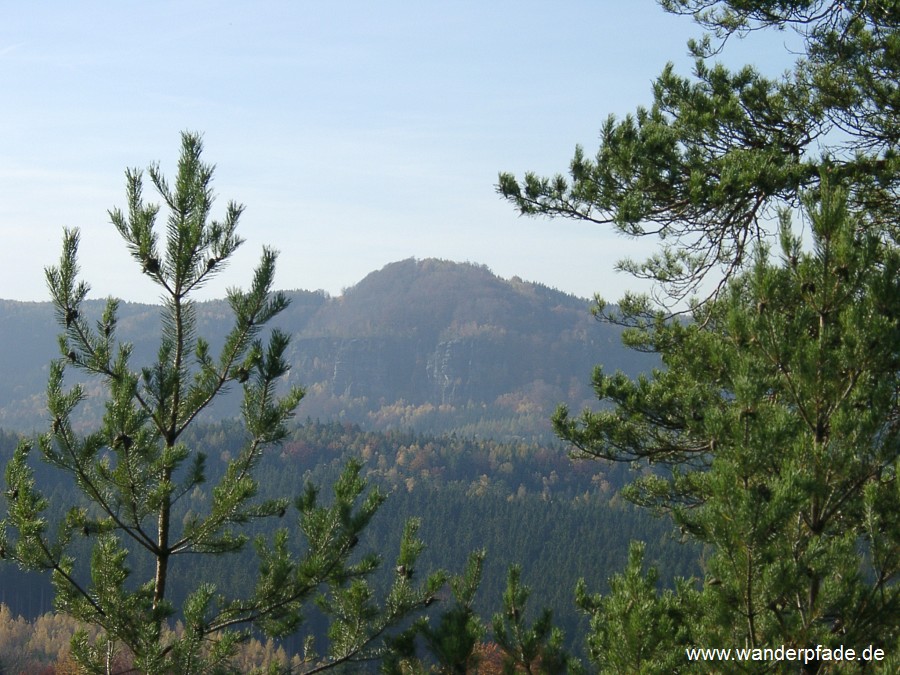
(356, 133)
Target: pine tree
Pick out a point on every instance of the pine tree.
(451, 644)
(136, 468)
(453, 641)
(529, 649)
(770, 435)
(636, 629)
(774, 431)
(705, 166)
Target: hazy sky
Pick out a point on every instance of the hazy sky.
(356, 133)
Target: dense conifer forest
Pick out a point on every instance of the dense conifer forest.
(519, 502)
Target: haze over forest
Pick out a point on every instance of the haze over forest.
(426, 344)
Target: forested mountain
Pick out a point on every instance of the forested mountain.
(425, 344)
(770, 440)
(436, 362)
(418, 348)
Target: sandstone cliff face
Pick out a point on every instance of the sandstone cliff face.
(450, 372)
(450, 369)
(376, 368)
(473, 369)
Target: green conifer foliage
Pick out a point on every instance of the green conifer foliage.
(635, 629)
(451, 643)
(772, 430)
(775, 423)
(706, 164)
(134, 471)
(530, 649)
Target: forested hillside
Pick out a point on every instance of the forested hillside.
(425, 344)
(521, 503)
